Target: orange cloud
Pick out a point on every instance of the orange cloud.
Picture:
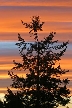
(36, 3)
(10, 19)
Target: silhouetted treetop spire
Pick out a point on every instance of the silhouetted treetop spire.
(34, 26)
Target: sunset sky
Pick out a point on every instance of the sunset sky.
(57, 15)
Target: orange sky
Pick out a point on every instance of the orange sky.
(35, 3)
(57, 15)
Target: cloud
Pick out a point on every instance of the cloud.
(56, 19)
(35, 3)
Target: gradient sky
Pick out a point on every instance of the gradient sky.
(57, 15)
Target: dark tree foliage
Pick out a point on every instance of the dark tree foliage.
(13, 100)
(43, 86)
(1, 104)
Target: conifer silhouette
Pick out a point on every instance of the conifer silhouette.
(43, 86)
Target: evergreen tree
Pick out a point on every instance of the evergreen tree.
(42, 87)
(1, 104)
